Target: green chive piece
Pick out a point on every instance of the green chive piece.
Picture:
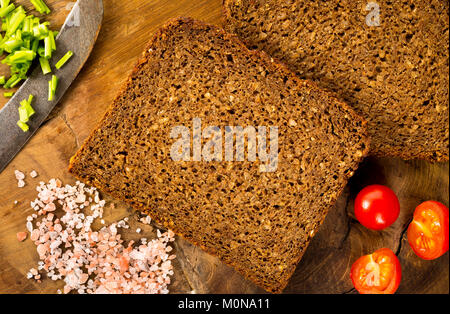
(25, 112)
(4, 3)
(13, 80)
(26, 104)
(50, 91)
(64, 59)
(4, 11)
(2, 80)
(15, 22)
(45, 65)
(12, 44)
(23, 115)
(52, 40)
(52, 85)
(21, 56)
(41, 51)
(40, 6)
(47, 47)
(8, 94)
(54, 82)
(23, 126)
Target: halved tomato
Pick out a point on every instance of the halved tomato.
(428, 231)
(377, 273)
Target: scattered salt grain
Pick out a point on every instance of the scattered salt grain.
(19, 175)
(146, 220)
(20, 183)
(33, 174)
(21, 236)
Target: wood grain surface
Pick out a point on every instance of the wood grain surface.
(325, 267)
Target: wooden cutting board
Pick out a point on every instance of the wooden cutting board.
(325, 267)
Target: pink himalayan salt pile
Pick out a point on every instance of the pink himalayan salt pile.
(93, 261)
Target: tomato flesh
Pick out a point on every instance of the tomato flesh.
(376, 207)
(377, 273)
(428, 231)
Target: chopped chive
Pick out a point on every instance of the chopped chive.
(50, 91)
(52, 40)
(23, 126)
(45, 65)
(64, 59)
(15, 22)
(27, 105)
(4, 11)
(8, 94)
(2, 80)
(52, 85)
(41, 51)
(30, 110)
(47, 47)
(23, 114)
(4, 3)
(40, 6)
(54, 82)
(12, 44)
(21, 56)
(26, 44)
(35, 45)
(13, 81)
(26, 28)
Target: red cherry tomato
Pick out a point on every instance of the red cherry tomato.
(376, 207)
(377, 273)
(428, 231)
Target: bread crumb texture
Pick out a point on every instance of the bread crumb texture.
(258, 222)
(396, 75)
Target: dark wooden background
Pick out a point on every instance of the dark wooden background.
(325, 267)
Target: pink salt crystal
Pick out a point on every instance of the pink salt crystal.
(67, 289)
(83, 278)
(21, 236)
(50, 207)
(33, 174)
(41, 249)
(19, 175)
(58, 228)
(20, 183)
(35, 234)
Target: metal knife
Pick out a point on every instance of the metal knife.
(78, 34)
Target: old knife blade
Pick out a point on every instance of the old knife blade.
(78, 34)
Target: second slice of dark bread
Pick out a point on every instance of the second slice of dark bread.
(387, 59)
(260, 223)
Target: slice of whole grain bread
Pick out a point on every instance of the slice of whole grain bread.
(387, 59)
(259, 222)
